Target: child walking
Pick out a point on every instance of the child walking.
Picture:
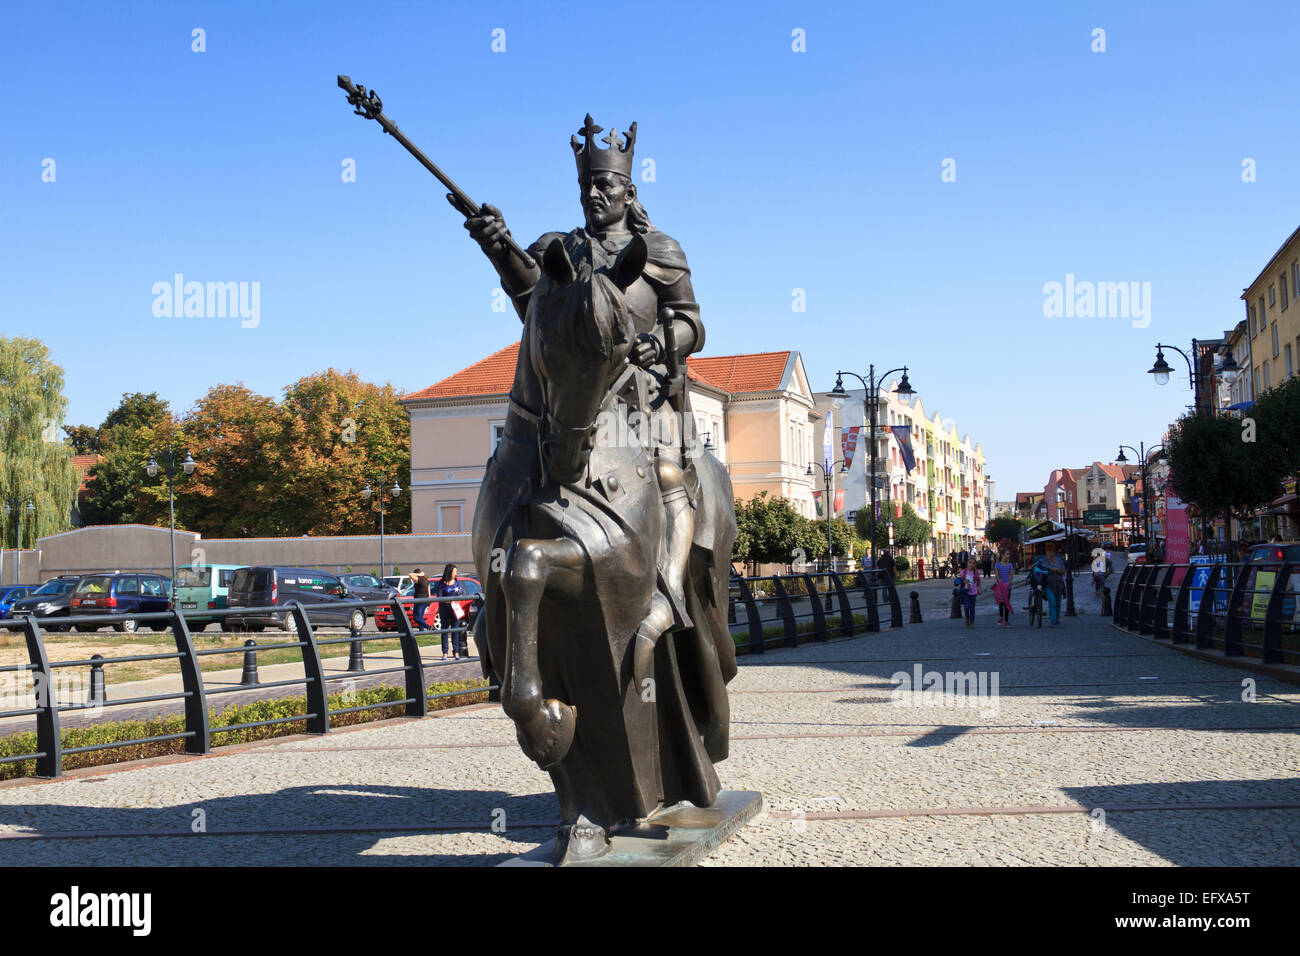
(1005, 571)
(970, 580)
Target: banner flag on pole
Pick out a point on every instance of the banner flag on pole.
(849, 444)
(903, 435)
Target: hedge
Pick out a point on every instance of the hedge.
(107, 732)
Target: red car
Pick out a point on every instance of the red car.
(385, 621)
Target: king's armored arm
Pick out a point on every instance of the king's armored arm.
(489, 230)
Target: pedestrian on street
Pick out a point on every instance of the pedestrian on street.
(887, 564)
(420, 589)
(1055, 565)
(987, 564)
(969, 581)
(450, 613)
(1005, 571)
(1243, 551)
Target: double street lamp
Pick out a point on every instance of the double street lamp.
(367, 491)
(1143, 452)
(169, 457)
(1228, 369)
(870, 401)
(828, 474)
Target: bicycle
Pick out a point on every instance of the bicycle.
(1035, 604)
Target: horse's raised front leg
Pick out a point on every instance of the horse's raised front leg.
(534, 567)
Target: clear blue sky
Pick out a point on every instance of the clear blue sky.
(775, 170)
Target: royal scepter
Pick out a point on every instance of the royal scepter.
(368, 104)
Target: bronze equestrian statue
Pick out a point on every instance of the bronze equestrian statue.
(606, 623)
(603, 530)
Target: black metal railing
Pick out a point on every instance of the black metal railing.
(830, 607)
(1242, 610)
(198, 735)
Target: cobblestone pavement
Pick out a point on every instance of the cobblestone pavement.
(1098, 748)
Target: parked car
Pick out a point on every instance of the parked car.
(367, 587)
(385, 621)
(203, 588)
(1276, 553)
(1137, 554)
(12, 593)
(402, 582)
(275, 587)
(49, 603)
(121, 594)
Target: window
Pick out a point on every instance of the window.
(450, 517)
(1272, 295)
(498, 432)
(1250, 319)
(1267, 383)
(1295, 276)
(1290, 369)
(1263, 316)
(1281, 281)
(1274, 340)
(128, 584)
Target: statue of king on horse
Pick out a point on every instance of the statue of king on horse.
(603, 530)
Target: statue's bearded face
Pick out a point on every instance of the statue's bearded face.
(605, 199)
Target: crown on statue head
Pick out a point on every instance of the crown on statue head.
(592, 159)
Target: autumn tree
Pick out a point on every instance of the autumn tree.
(339, 435)
(234, 435)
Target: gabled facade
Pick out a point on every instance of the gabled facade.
(754, 411)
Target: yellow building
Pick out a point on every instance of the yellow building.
(1273, 318)
(754, 411)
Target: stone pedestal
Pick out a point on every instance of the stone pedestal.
(677, 836)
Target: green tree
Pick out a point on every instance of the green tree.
(910, 529)
(126, 438)
(1003, 526)
(84, 439)
(1276, 420)
(1212, 467)
(35, 466)
(773, 531)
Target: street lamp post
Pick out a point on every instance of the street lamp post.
(367, 491)
(870, 402)
(827, 474)
(18, 539)
(1143, 452)
(1069, 566)
(1228, 369)
(169, 456)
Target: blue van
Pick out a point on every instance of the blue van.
(120, 594)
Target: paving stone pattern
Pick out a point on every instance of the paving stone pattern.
(1074, 733)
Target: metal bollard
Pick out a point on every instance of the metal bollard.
(1105, 601)
(98, 693)
(356, 662)
(249, 676)
(1069, 596)
(914, 616)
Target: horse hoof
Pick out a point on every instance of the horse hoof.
(579, 842)
(551, 743)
